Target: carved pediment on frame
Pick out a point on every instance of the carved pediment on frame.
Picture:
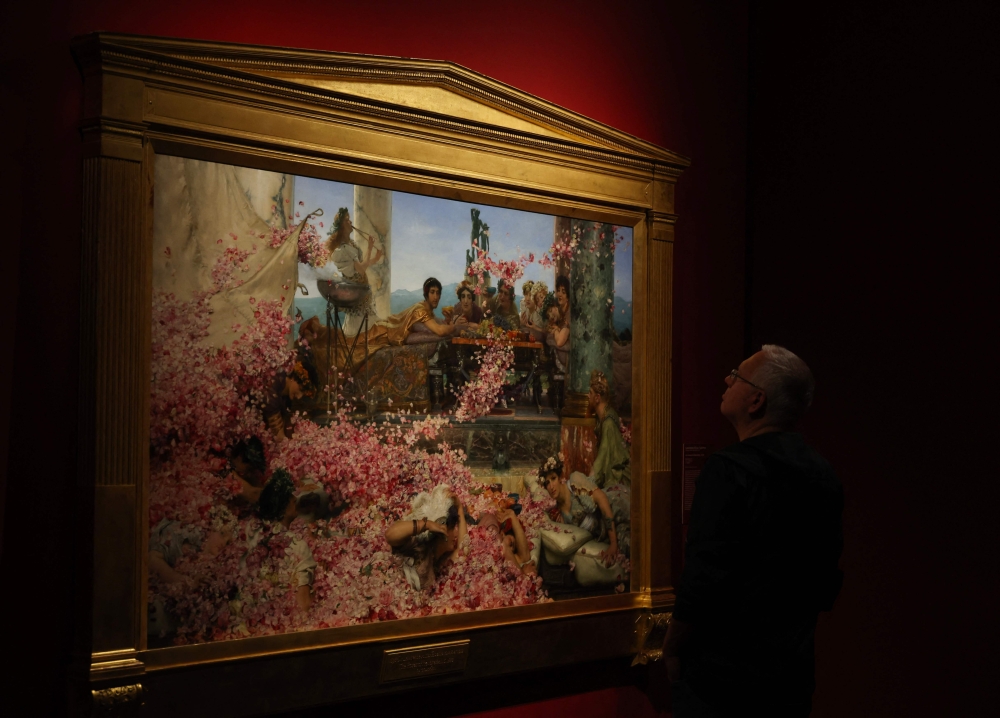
(433, 95)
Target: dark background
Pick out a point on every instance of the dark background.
(841, 202)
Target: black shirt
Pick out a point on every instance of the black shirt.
(760, 563)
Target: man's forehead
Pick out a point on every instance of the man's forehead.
(751, 362)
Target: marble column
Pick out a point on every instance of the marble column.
(592, 281)
(373, 215)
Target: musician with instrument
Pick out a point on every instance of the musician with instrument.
(346, 256)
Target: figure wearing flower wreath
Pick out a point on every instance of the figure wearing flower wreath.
(599, 504)
(605, 514)
(347, 257)
(532, 307)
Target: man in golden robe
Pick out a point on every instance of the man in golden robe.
(415, 325)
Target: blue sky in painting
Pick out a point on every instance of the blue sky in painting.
(430, 236)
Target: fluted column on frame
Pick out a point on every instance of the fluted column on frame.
(113, 418)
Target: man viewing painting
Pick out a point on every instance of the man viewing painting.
(269, 514)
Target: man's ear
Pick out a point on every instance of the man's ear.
(758, 407)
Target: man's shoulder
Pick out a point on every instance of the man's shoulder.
(725, 467)
(781, 450)
(739, 455)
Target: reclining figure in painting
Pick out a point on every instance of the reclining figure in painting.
(516, 549)
(424, 546)
(397, 330)
(591, 526)
(416, 325)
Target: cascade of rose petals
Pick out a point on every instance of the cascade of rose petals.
(225, 268)
(312, 247)
(569, 243)
(187, 486)
(201, 395)
(204, 399)
(356, 579)
(482, 579)
(478, 396)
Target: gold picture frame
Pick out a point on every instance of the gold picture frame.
(426, 127)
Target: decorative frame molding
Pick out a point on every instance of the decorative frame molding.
(421, 126)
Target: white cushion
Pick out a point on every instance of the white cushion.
(561, 543)
(590, 569)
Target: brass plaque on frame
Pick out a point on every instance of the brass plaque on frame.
(405, 663)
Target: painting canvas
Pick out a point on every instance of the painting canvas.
(369, 405)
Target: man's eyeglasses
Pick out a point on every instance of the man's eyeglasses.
(735, 375)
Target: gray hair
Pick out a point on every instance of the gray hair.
(788, 383)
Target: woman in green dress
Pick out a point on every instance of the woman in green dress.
(612, 465)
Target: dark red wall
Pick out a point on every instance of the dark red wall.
(674, 73)
(873, 249)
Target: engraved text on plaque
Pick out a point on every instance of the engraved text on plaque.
(403, 663)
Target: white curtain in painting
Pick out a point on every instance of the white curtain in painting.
(198, 203)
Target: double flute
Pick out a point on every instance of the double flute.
(364, 234)
(376, 242)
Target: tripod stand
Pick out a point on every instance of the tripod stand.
(344, 295)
